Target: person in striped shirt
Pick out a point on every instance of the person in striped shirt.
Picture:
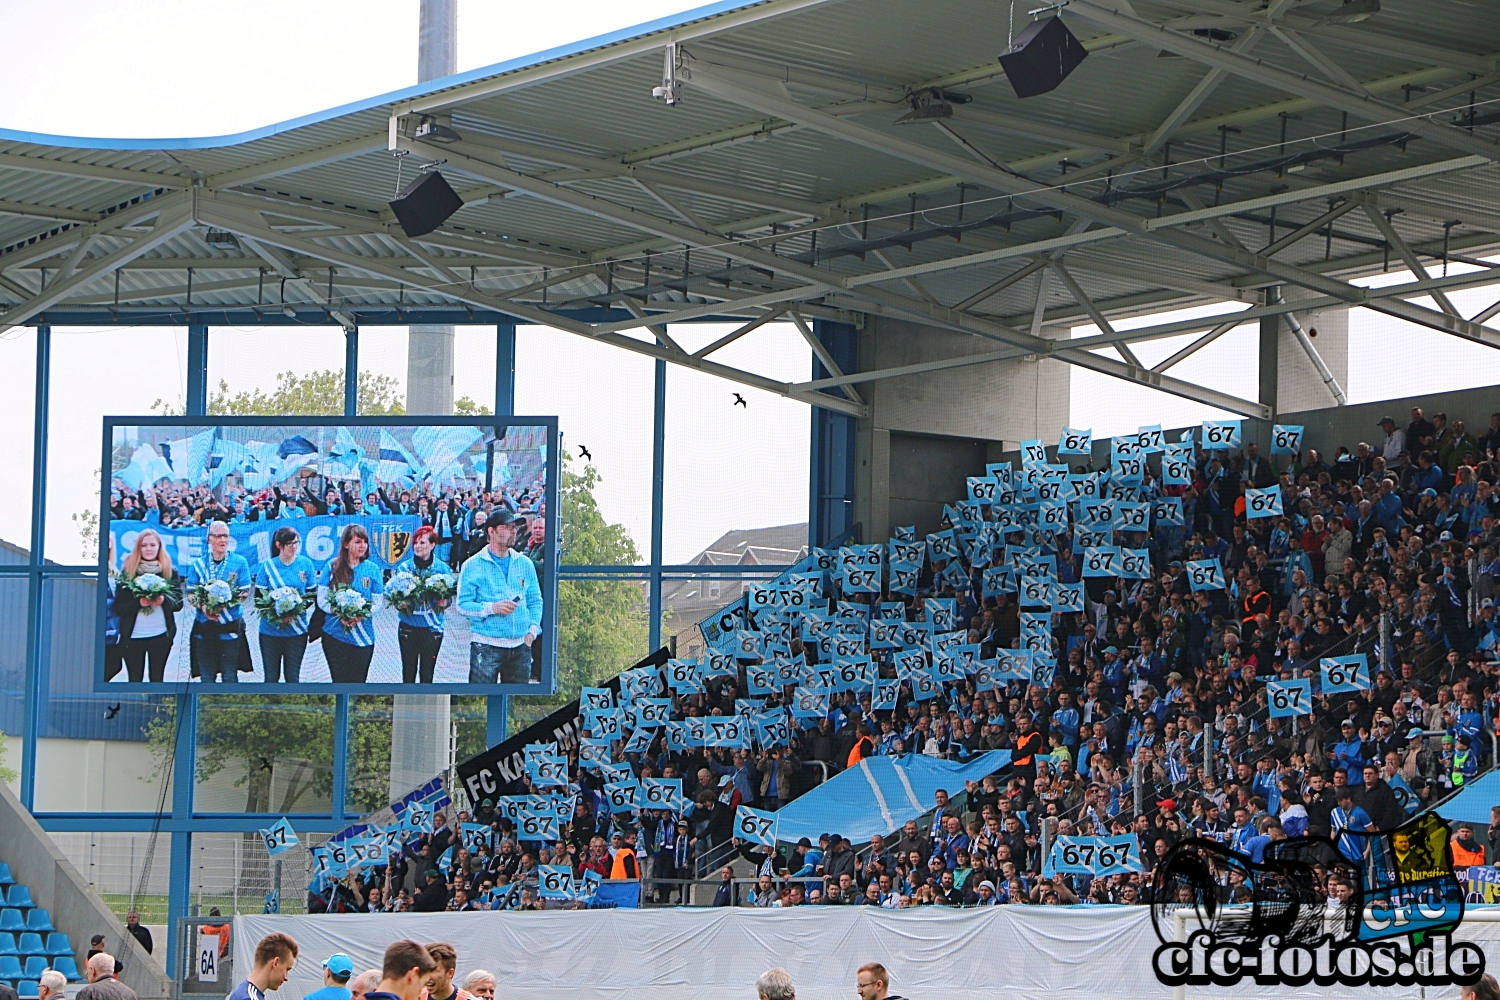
(283, 646)
(349, 643)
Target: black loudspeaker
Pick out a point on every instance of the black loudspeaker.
(1041, 57)
(425, 204)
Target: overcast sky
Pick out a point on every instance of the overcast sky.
(149, 68)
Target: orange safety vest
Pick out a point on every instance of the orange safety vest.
(1463, 858)
(624, 865)
(863, 747)
(1026, 747)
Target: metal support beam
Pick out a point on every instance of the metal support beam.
(340, 792)
(658, 481)
(1318, 364)
(1195, 97)
(1088, 306)
(497, 707)
(33, 708)
(995, 288)
(1413, 263)
(1361, 105)
(1197, 345)
(739, 332)
(351, 372)
(197, 369)
(822, 355)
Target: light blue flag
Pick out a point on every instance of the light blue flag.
(556, 881)
(756, 826)
(1220, 435)
(1286, 439)
(1101, 561)
(1263, 503)
(1345, 673)
(1287, 698)
(344, 457)
(1097, 856)
(395, 461)
(1167, 510)
(1075, 442)
(440, 447)
(1205, 574)
(279, 837)
(1033, 453)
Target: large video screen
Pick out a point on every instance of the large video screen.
(373, 554)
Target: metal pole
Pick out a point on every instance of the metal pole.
(1208, 748)
(658, 479)
(1046, 839)
(1385, 642)
(35, 559)
(351, 372)
(1138, 783)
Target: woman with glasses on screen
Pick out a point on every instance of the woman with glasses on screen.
(283, 630)
(349, 591)
(421, 630)
(148, 625)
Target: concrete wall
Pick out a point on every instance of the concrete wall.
(1327, 428)
(57, 887)
(926, 433)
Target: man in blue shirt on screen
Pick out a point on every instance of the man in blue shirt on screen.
(218, 636)
(498, 592)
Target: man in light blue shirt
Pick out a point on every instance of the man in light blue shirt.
(337, 968)
(499, 594)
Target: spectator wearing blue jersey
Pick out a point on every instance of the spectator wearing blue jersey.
(217, 639)
(349, 642)
(499, 594)
(282, 645)
(420, 632)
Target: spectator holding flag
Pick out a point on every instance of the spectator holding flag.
(147, 597)
(286, 586)
(349, 592)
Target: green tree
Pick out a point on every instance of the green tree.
(602, 624)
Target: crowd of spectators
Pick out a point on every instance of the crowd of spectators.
(1155, 722)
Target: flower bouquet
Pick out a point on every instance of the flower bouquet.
(404, 592)
(349, 606)
(213, 597)
(147, 586)
(281, 606)
(439, 588)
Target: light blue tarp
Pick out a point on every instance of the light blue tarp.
(1472, 805)
(879, 795)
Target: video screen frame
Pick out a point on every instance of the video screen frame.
(254, 683)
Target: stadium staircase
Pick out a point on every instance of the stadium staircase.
(49, 913)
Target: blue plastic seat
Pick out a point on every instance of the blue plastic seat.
(8, 944)
(10, 967)
(12, 920)
(19, 896)
(35, 966)
(58, 944)
(38, 920)
(30, 943)
(68, 967)
(5, 876)
(28, 989)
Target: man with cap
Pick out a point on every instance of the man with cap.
(983, 895)
(1395, 440)
(499, 594)
(1348, 754)
(337, 968)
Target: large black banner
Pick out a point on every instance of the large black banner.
(498, 770)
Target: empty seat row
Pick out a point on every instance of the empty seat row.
(26, 989)
(11, 967)
(14, 921)
(30, 943)
(18, 896)
(5, 876)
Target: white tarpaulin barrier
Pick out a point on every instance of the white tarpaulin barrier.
(715, 954)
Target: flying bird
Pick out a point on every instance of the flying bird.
(265, 763)
(585, 453)
(110, 711)
(740, 401)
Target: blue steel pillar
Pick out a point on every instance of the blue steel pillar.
(497, 709)
(831, 492)
(658, 478)
(185, 732)
(34, 632)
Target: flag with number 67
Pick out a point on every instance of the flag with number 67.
(1205, 574)
(755, 826)
(279, 837)
(1263, 503)
(1287, 698)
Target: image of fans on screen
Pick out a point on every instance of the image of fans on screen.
(380, 551)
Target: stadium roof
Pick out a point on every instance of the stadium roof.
(1205, 151)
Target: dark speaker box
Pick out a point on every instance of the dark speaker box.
(1041, 57)
(425, 204)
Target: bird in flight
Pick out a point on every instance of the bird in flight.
(585, 453)
(265, 764)
(740, 401)
(111, 711)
